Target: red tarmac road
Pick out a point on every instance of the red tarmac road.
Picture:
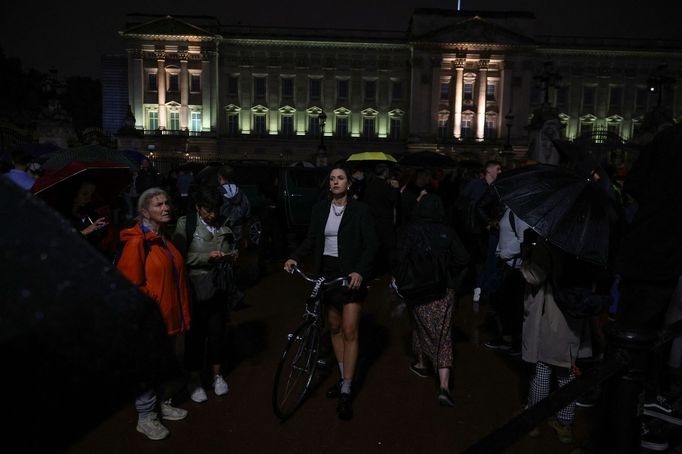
(395, 411)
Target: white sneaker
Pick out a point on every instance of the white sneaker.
(172, 413)
(199, 395)
(477, 294)
(220, 385)
(152, 428)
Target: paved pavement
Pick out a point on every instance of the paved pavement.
(395, 411)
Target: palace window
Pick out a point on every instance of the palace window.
(467, 123)
(259, 86)
(489, 132)
(195, 83)
(444, 90)
(394, 128)
(368, 127)
(174, 121)
(287, 128)
(342, 89)
(153, 120)
(341, 126)
(232, 124)
(287, 88)
(152, 82)
(174, 82)
(370, 90)
(468, 91)
(315, 89)
(397, 90)
(195, 122)
(313, 125)
(259, 127)
(490, 92)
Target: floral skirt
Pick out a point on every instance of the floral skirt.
(432, 331)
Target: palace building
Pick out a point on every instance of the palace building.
(454, 81)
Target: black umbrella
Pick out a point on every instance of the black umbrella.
(569, 210)
(74, 322)
(427, 159)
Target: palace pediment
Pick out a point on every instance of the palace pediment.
(168, 26)
(474, 30)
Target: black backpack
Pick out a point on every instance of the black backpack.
(422, 274)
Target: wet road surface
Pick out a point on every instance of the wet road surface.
(394, 411)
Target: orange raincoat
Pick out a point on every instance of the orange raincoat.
(162, 279)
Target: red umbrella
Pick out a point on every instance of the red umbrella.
(58, 188)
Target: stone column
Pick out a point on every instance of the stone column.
(459, 88)
(206, 91)
(161, 85)
(481, 105)
(184, 90)
(136, 84)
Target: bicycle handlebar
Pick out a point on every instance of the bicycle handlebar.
(326, 283)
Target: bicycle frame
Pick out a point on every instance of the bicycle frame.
(298, 363)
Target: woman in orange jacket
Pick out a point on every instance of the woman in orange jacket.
(152, 263)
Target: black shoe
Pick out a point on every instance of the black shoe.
(662, 408)
(652, 439)
(421, 372)
(498, 345)
(445, 399)
(334, 391)
(345, 409)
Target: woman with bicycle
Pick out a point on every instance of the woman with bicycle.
(341, 241)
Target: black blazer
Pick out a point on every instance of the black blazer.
(357, 238)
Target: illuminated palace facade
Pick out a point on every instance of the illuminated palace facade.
(454, 81)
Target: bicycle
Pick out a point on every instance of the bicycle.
(299, 360)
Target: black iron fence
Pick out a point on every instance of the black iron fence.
(622, 374)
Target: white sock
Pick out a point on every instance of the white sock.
(345, 386)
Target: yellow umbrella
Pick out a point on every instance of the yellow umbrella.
(371, 156)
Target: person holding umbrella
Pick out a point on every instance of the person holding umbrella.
(151, 262)
(88, 221)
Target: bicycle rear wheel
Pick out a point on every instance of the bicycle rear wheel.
(295, 370)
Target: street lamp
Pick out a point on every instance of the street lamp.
(658, 81)
(321, 149)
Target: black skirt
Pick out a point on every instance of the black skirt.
(337, 296)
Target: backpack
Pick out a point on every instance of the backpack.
(574, 294)
(235, 209)
(422, 274)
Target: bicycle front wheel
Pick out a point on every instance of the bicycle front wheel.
(295, 370)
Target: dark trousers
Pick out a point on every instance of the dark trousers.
(205, 341)
(508, 302)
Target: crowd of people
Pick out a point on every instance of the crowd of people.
(438, 236)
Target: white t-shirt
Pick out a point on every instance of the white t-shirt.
(331, 230)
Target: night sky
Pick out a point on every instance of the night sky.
(72, 36)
